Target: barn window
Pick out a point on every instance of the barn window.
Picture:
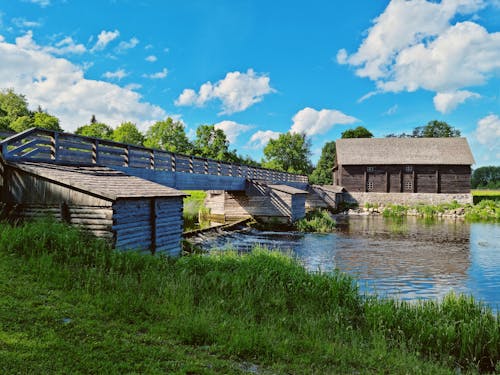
(408, 168)
(409, 186)
(370, 169)
(369, 186)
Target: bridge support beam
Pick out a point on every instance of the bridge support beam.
(261, 201)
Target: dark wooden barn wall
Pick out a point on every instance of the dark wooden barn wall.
(393, 178)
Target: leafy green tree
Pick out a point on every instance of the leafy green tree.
(44, 120)
(168, 135)
(290, 152)
(12, 107)
(322, 174)
(358, 132)
(128, 133)
(436, 129)
(22, 123)
(486, 177)
(212, 143)
(95, 129)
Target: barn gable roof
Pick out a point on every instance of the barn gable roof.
(379, 151)
(104, 182)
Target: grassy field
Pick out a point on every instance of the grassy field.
(69, 304)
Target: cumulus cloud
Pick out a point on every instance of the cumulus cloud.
(237, 92)
(60, 86)
(232, 129)
(488, 132)
(104, 38)
(119, 74)
(310, 121)
(24, 23)
(42, 3)
(414, 45)
(123, 46)
(151, 58)
(158, 75)
(260, 138)
(447, 101)
(63, 47)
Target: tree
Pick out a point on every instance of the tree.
(128, 133)
(486, 177)
(212, 143)
(436, 129)
(359, 132)
(95, 130)
(12, 107)
(322, 175)
(168, 135)
(290, 152)
(22, 123)
(44, 120)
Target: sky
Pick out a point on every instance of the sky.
(260, 68)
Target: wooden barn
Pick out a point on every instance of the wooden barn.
(130, 212)
(403, 165)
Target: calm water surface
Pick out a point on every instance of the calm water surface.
(407, 259)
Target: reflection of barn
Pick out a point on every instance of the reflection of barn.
(404, 165)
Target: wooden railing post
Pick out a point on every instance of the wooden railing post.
(126, 158)
(54, 145)
(95, 151)
(219, 168)
(191, 166)
(152, 159)
(230, 172)
(205, 166)
(239, 170)
(172, 162)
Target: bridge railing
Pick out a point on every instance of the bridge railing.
(42, 145)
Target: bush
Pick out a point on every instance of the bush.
(316, 221)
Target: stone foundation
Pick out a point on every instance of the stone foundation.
(407, 199)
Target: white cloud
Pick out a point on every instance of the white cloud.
(158, 75)
(391, 110)
(42, 3)
(232, 129)
(237, 92)
(123, 46)
(65, 46)
(311, 122)
(119, 74)
(151, 58)
(488, 132)
(104, 38)
(133, 86)
(447, 101)
(260, 138)
(60, 86)
(413, 45)
(24, 23)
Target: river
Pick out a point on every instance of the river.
(406, 258)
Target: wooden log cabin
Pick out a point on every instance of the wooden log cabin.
(403, 165)
(130, 212)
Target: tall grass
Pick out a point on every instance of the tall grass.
(316, 221)
(193, 204)
(262, 307)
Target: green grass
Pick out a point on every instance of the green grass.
(69, 304)
(192, 206)
(487, 194)
(316, 221)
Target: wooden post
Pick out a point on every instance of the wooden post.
(218, 168)
(95, 151)
(54, 145)
(205, 166)
(414, 175)
(400, 180)
(191, 167)
(230, 172)
(437, 180)
(152, 220)
(126, 156)
(172, 162)
(386, 181)
(64, 212)
(239, 170)
(152, 159)
(365, 178)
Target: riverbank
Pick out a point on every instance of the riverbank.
(485, 210)
(74, 305)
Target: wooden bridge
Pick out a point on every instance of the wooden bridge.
(131, 194)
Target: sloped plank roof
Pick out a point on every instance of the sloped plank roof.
(377, 151)
(287, 189)
(101, 181)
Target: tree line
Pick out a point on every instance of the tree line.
(290, 152)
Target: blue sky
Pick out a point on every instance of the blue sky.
(260, 68)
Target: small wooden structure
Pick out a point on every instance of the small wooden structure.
(131, 212)
(403, 165)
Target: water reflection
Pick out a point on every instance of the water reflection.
(408, 258)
